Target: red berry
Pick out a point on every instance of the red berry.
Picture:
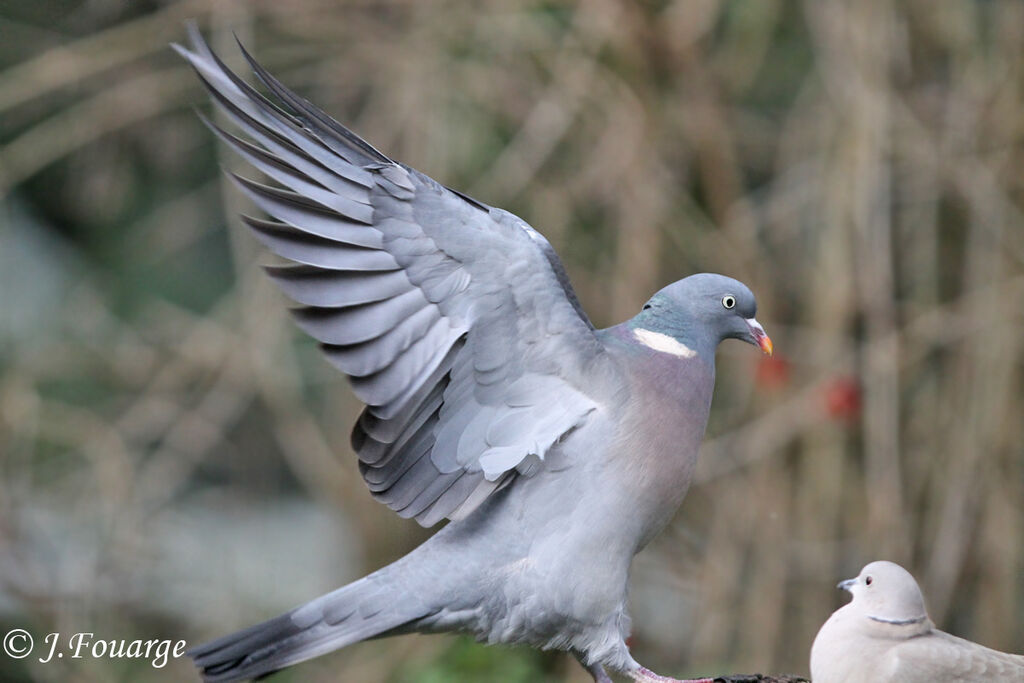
(843, 398)
(773, 372)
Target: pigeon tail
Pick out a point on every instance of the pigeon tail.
(370, 607)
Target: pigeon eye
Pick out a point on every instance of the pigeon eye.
(646, 306)
(868, 580)
(729, 301)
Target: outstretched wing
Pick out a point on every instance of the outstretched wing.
(454, 321)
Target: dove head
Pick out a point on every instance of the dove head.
(696, 313)
(886, 592)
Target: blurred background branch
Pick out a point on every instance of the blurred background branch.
(175, 455)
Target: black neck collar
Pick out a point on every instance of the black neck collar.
(899, 622)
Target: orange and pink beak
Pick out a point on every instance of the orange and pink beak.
(760, 336)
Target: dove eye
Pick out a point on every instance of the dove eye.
(646, 306)
(868, 580)
(729, 301)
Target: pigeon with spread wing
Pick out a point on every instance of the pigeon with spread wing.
(556, 450)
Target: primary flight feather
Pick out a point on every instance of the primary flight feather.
(557, 450)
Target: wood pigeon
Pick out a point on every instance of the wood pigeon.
(556, 450)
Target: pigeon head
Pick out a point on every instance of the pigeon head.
(886, 592)
(698, 312)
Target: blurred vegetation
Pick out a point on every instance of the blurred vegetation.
(174, 456)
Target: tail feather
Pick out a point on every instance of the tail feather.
(361, 610)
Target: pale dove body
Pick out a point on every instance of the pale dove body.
(884, 635)
(557, 450)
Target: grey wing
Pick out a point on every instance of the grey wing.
(454, 321)
(940, 658)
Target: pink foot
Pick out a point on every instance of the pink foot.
(643, 675)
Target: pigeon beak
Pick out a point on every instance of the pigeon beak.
(762, 339)
(846, 585)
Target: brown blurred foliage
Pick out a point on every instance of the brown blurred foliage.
(859, 164)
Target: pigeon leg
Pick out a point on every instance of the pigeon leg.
(595, 669)
(643, 675)
(598, 672)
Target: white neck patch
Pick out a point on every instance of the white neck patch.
(663, 343)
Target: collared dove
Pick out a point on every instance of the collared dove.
(557, 450)
(884, 635)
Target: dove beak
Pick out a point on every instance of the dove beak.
(846, 585)
(760, 337)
